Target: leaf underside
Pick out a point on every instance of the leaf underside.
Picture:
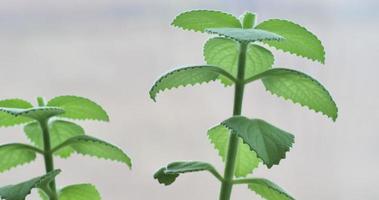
(268, 142)
(21, 190)
(298, 40)
(245, 35)
(91, 146)
(60, 131)
(268, 190)
(199, 20)
(79, 108)
(187, 76)
(300, 88)
(246, 160)
(37, 113)
(7, 119)
(79, 192)
(167, 175)
(223, 52)
(13, 155)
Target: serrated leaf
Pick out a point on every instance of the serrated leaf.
(224, 53)
(246, 160)
(13, 155)
(298, 40)
(79, 192)
(7, 119)
(168, 175)
(199, 20)
(21, 190)
(60, 131)
(269, 142)
(91, 146)
(268, 190)
(299, 88)
(79, 108)
(187, 76)
(37, 113)
(245, 35)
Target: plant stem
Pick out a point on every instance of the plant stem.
(227, 184)
(48, 155)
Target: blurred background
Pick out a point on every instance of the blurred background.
(112, 51)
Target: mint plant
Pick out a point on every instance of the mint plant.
(238, 56)
(52, 132)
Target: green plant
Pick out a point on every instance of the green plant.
(238, 56)
(51, 130)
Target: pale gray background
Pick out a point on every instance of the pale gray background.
(112, 51)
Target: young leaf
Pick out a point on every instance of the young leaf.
(37, 113)
(298, 40)
(79, 192)
(248, 20)
(245, 35)
(91, 146)
(7, 119)
(268, 190)
(79, 108)
(224, 53)
(187, 76)
(60, 131)
(269, 142)
(246, 160)
(13, 155)
(300, 88)
(21, 190)
(168, 175)
(199, 20)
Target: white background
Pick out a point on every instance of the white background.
(112, 51)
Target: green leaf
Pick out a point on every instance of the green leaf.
(199, 20)
(7, 119)
(168, 175)
(43, 195)
(91, 146)
(79, 108)
(298, 40)
(79, 192)
(13, 155)
(246, 160)
(299, 88)
(248, 20)
(163, 178)
(187, 76)
(37, 113)
(268, 190)
(60, 131)
(244, 35)
(269, 142)
(21, 190)
(224, 53)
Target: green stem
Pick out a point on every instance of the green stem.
(48, 154)
(227, 184)
(243, 181)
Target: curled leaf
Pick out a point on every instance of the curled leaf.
(168, 175)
